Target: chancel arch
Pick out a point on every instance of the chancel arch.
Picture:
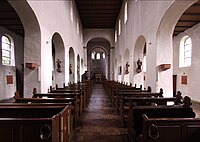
(98, 59)
(139, 65)
(58, 59)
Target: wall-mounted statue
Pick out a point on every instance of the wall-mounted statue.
(70, 68)
(127, 66)
(139, 66)
(59, 69)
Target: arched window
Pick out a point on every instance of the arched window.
(103, 55)
(185, 52)
(125, 13)
(115, 35)
(119, 30)
(92, 55)
(98, 56)
(7, 51)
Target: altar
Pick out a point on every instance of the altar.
(98, 77)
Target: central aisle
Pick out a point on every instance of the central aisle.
(100, 122)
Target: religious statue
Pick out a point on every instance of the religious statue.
(59, 66)
(70, 69)
(127, 66)
(139, 66)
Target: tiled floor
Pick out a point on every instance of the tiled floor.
(100, 123)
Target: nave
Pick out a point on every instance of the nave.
(100, 122)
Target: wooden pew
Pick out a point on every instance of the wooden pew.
(81, 93)
(116, 93)
(35, 123)
(170, 129)
(72, 101)
(135, 116)
(130, 102)
(75, 95)
(123, 95)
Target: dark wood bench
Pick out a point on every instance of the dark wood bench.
(75, 95)
(135, 123)
(124, 95)
(130, 102)
(170, 129)
(116, 93)
(35, 123)
(72, 101)
(82, 96)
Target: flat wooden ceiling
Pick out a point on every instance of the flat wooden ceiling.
(10, 19)
(189, 18)
(98, 13)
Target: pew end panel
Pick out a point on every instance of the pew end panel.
(170, 129)
(26, 130)
(35, 123)
(135, 122)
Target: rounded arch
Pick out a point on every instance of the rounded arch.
(98, 46)
(71, 65)
(115, 69)
(126, 63)
(98, 33)
(164, 44)
(139, 64)
(31, 25)
(58, 59)
(120, 68)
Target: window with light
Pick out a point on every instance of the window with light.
(185, 52)
(6, 50)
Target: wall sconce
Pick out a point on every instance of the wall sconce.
(165, 67)
(31, 66)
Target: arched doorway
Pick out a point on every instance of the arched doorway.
(126, 62)
(58, 59)
(120, 68)
(32, 54)
(71, 65)
(139, 66)
(78, 68)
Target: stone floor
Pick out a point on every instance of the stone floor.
(100, 122)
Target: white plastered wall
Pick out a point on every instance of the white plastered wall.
(8, 90)
(146, 18)
(57, 16)
(192, 72)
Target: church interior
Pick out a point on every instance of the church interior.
(99, 70)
